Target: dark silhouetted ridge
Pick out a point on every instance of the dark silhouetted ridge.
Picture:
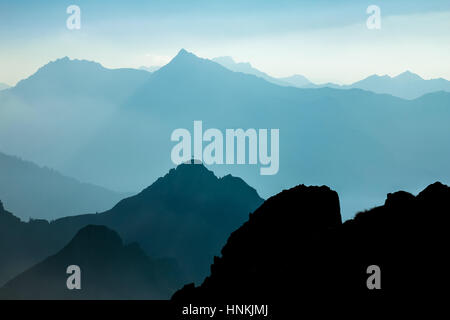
(294, 248)
(257, 260)
(97, 238)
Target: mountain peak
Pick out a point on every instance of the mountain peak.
(183, 51)
(376, 77)
(185, 62)
(96, 237)
(408, 75)
(186, 176)
(192, 166)
(436, 189)
(66, 61)
(183, 54)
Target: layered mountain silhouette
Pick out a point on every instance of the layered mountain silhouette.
(4, 86)
(295, 248)
(186, 215)
(357, 142)
(246, 67)
(297, 80)
(38, 192)
(406, 85)
(109, 270)
(23, 244)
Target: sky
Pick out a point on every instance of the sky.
(326, 41)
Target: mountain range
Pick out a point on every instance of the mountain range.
(246, 67)
(294, 241)
(39, 192)
(406, 85)
(4, 86)
(113, 127)
(186, 216)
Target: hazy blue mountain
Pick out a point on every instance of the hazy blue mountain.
(4, 86)
(325, 85)
(186, 215)
(246, 67)
(150, 69)
(109, 270)
(327, 136)
(48, 117)
(74, 77)
(361, 144)
(31, 191)
(297, 80)
(406, 85)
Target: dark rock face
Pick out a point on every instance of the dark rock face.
(109, 270)
(295, 247)
(260, 258)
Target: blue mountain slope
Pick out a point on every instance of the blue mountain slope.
(406, 85)
(68, 79)
(39, 192)
(360, 143)
(247, 68)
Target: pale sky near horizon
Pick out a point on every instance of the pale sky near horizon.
(323, 40)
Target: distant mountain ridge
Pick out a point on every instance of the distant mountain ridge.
(4, 86)
(406, 85)
(246, 67)
(37, 192)
(109, 270)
